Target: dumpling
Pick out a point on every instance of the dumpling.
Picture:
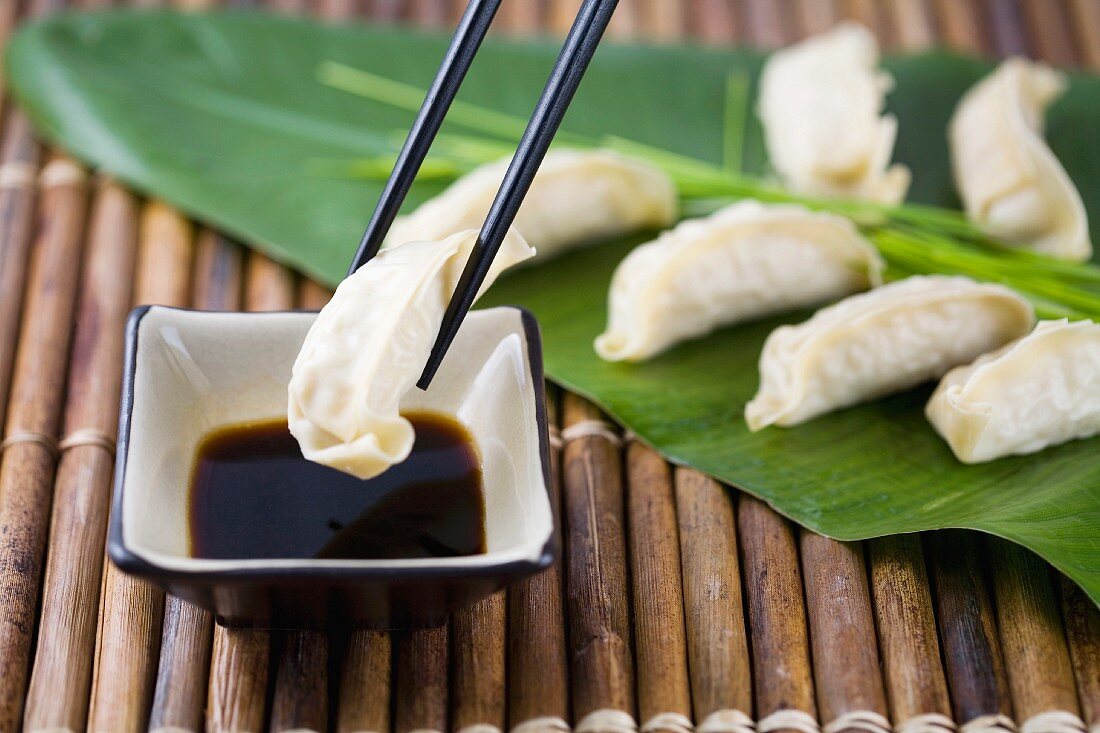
(368, 347)
(744, 261)
(882, 341)
(578, 196)
(1039, 391)
(1007, 176)
(821, 105)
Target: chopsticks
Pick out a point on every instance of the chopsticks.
(580, 45)
(471, 31)
(576, 53)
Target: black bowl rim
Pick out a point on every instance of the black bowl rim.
(316, 570)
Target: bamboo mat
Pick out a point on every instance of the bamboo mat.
(678, 603)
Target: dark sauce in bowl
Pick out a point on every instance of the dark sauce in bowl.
(253, 496)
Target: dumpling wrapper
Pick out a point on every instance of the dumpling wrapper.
(1010, 182)
(821, 104)
(577, 197)
(1040, 391)
(745, 261)
(883, 341)
(368, 347)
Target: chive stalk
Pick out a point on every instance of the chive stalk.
(913, 238)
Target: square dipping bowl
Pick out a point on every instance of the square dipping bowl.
(189, 373)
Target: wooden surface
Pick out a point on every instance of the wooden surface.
(678, 602)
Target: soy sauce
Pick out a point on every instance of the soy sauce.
(253, 495)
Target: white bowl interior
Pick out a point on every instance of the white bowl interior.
(196, 372)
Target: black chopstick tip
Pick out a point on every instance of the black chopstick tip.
(425, 380)
(460, 54)
(580, 45)
(435, 358)
(452, 320)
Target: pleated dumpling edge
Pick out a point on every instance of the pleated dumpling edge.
(1010, 181)
(880, 342)
(1039, 391)
(367, 347)
(577, 197)
(821, 106)
(746, 261)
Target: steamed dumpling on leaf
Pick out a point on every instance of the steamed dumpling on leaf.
(1040, 391)
(821, 105)
(745, 261)
(883, 341)
(368, 346)
(578, 196)
(1007, 176)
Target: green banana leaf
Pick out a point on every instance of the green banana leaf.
(223, 116)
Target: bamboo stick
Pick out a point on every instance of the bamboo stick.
(19, 159)
(782, 681)
(37, 393)
(913, 26)
(420, 700)
(181, 691)
(290, 7)
(180, 694)
(766, 23)
(850, 693)
(237, 695)
(9, 11)
(216, 285)
(557, 14)
(300, 701)
(1082, 621)
(915, 683)
(868, 13)
(1086, 21)
(132, 611)
(1008, 36)
(560, 15)
(477, 680)
(712, 21)
(624, 23)
(386, 10)
(164, 258)
(312, 296)
(968, 631)
(718, 653)
(58, 695)
(1048, 24)
(960, 26)
(429, 13)
(41, 8)
(664, 696)
(337, 10)
(538, 678)
(364, 699)
(663, 20)
(816, 16)
(520, 18)
(268, 285)
(601, 663)
(1040, 675)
